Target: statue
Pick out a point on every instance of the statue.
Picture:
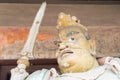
(76, 55)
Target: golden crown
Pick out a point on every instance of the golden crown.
(65, 20)
(68, 23)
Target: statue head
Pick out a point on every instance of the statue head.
(76, 51)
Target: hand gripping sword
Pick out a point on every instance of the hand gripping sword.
(19, 72)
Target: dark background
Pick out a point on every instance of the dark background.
(63, 1)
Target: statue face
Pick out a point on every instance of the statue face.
(73, 54)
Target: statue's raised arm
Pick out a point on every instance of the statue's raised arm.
(19, 72)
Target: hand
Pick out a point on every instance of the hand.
(114, 64)
(18, 73)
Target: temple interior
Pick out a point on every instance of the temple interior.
(102, 18)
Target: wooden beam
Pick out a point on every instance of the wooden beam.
(9, 62)
(63, 1)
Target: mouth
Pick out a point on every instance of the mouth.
(66, 52)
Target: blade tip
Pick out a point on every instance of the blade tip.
(44, 2)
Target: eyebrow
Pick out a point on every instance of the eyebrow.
(71, 33)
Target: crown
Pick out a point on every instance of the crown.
(65, 20)
(68, 24)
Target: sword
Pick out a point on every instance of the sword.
(29, 45)
(19, 72)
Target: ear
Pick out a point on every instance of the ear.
(86, 35)
(85, 32)
(92, 47)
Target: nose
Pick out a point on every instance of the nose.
(62, 46)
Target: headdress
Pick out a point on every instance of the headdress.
(70, 24)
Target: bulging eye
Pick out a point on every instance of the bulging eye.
(72, 39)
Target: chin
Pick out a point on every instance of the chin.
(76, 64)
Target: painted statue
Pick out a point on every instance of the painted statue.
(76, 54)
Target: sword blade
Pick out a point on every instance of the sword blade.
(29, 45)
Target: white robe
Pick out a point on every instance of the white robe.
(99, 73)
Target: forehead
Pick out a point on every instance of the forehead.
(70, 31)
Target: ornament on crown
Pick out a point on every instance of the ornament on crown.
(65, 20)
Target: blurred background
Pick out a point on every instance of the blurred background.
(90, 12)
